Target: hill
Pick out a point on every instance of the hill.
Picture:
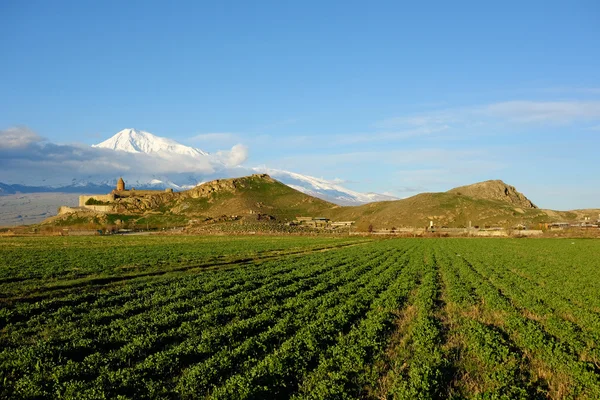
(255, 198)
(251, 195)
(495, 190)
(444, 209)
(261, 198)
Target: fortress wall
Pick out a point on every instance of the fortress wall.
(490, 233)
(100, 197)
(83, 199)
(528, 232)
(66, 210)
(100, 208)
(139, 193)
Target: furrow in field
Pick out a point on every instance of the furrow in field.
(276, 324)
(282, 370)
(485, 362)
(549, 358)
(342, 370)
(576, 328)
(40, 288)
(418, 371)
(144, 296)
(153, 342)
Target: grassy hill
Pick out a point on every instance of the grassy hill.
(261, 198)
(251, 195)
(444, 209)
(251, 198)
(489, 203)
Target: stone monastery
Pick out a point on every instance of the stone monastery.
(99, 202)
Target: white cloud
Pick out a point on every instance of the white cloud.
(466, 120)
(388, 136)
(214, 138)
(471, 158)
(452, 123)
(279, 141)
(277, 124)
(561, 112)
(25, 159)
(572, 89)
(409, 189)
(425, 121)
(234, 157)
(18, 138)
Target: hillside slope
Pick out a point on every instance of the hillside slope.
(495, 190)
(444, 209)
(255, 194)
(260, 197)
(246, 196)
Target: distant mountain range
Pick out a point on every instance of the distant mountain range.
(137, 142)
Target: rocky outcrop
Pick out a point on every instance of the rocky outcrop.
(79, 215)
(495, 190)
(175, 201)
(227, 185)
(140, 204)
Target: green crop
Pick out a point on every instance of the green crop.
(298, 317)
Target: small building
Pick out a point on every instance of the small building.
(313, 222)
(558, 225)
(339, 224)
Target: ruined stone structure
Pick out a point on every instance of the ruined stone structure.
(106, 202)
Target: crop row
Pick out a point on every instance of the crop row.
(394, 319)
(160, 330)
(548, 352)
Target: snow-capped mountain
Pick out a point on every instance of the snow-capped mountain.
(147, 161)
(323, 188)
(135, 141)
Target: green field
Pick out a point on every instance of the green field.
(299, 317)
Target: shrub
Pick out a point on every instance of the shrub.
(94, 202)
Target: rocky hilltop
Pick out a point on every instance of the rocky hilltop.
(228, 185)
(259, 198)
(495, 190)
(247, 200)
(178, 202)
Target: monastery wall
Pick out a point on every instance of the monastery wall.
(100, 208)
(99, 197)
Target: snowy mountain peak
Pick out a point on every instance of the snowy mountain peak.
(324, 189)
(135, 141)
(166, 151)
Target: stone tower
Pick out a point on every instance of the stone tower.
(120, 184)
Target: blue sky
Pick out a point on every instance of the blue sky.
(397, 97)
